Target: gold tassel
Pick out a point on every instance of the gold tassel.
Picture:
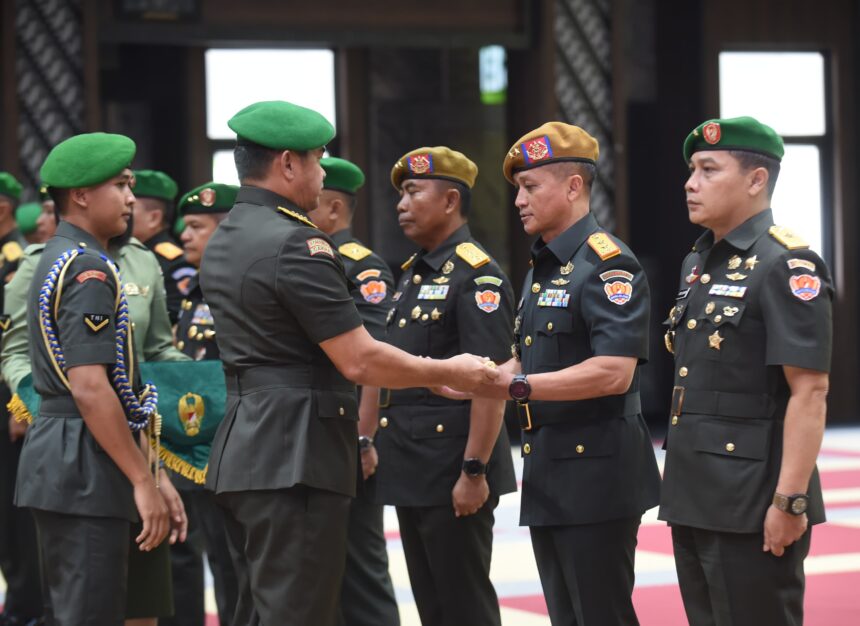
(19, 410)
(183, 467)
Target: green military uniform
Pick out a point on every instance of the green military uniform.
(589, 470)
(747, 305)
(452, 299)
(276, 289)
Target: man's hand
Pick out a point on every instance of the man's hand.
(468, 371)
(469, 494)
(369, 461)
(781, 530)
(16, 429)
(153, 514)
(175, 508)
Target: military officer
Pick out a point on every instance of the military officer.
(445, 463)
(751, 333)
(202, 209)
(155, 193)
(284, 459)
(367, 595)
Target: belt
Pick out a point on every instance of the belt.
(58, 406)
(413, 395)
(246, 380)
(536, 414)
(722, 403)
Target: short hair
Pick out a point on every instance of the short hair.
(60, 196)
(13, 201)
(253, 160)
(461, 188)
(565, 169)
(754, 160)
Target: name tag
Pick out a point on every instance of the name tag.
(554, 298)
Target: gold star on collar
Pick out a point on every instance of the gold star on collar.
(751, 262)
(715, 340)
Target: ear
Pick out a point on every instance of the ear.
(758, 181)
(335, 208)
(287, 164)
(575, 186)
(79, 196)
(452, 201)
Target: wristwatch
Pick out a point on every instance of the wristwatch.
(474, 467)
(364, 443)
(795, 504)
(520, 389)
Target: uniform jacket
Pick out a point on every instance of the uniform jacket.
(11, 251)
(176, 270)
(195, 329)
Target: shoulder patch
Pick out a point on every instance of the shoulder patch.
(472, 254)
(408, 262)
(786, 237)
(795, 263)
(603, 246)
(12, 251)
(96, 322)
(297, 216)
(168, 250)
(319, 246)
(354, 251)
(88, 274)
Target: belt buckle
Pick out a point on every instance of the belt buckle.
(387, 402)
(677, 400)
(524, 415)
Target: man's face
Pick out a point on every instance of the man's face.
(321, 215)
(109, 205)
(46, 223)
(542, 200)
(310, 176)
(148, 215)
(198, 229)
(421, 210)
(717, 187)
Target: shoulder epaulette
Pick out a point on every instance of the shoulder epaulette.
(787, 238)
(472, 254)
(354, 251)
(168, 250)
(603, 246)
(12, 251)
(297, 216)
(408, 262)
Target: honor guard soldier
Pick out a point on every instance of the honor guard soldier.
(284, 459)
(154, 194)
(444, 463)
(751, 332)
(202, 209)
(26, 217)
(367, 595)
(84, 475)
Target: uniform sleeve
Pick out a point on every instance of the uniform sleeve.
(86, 321)
(310, 282)
(616, 307)
(158, 343)
(797, 309)
(374, 286)
(485, 314)
(16, 355)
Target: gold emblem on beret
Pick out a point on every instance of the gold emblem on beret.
(420, 164)
(712, 132)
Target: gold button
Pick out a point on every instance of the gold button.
(192, 332)
(133, 326)
(416, 279)
(82, 244)
(528, 340)
(549, 325)
(199, 337)
(710, 308)
(180, 345)
(674, 420)
(683, 372)
(706, 278)
(730, 447)
(208, 334)
(402, 322)
(341, 411)
(527, 449)
(580, 449)
(535, 287)
(383, 422)
(718, 319)
(691, 324)
(440, 428)
(425, 317)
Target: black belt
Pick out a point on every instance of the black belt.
(536, 414)
(722, 403)
(413, 395)
(246, 380)
(59, 406)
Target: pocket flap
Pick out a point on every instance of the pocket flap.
(440, 425)
(550, 325)
(722, 312)
(746, 439)
(593, 440)
(336, 404)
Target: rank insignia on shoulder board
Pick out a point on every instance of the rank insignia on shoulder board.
(618, 292)
(554, 298)
(373, 291)
(805, 287)
(488, 300)
(96, 322)
(433, 292)
(319, 246)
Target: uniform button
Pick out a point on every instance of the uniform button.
(82, 244)
(730, 447)
(528, 341)
(535, 287)
(208, 334)
(180, 345)
(425, 317)
(674, 420)
(402, 322)
(440, 428)
(549, 325)
(691, 324)
(710, 308)
(718, 319)
(199, 337)
(580, 449)
(683, 372)
(527, 448)
(706, 278)
(416, 279)
(383, 422)
(133, 326)
(341, 411)
(192, 332)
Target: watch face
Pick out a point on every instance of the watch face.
(473, 467)
(519, 389)
(799, 504)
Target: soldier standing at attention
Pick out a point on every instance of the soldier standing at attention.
(284, 459)
(367, 595)
(751, 332)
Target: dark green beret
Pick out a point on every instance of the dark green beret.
(154, 184)
(282, 125)
(341, 175)
(737, 133)
(208, 198)
(85, 160)
(26, 216)
(9, 186)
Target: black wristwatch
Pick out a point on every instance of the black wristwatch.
(474, 467)
(795, 504)
(364, 443)
(520, 389)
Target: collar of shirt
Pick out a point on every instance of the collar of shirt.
(77, 236)
(265, 197)
(437, 257)
(566, 244)
(341, 237)
(742, 237)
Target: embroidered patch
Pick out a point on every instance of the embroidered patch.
(488, 280)
(537, 149)
(96, 322)
(202, 315)
(554, 298)
(683, 294)
(373, 291)
(363, 276)
(319, 246)
(616, 274)
(795, 263)
(712, 132)
(488, 300)
(618, 292)
(731, 291)
(420, 164)
(183, 277)
(5, 322)
(88, 274)
(433, 292)
(805, 287)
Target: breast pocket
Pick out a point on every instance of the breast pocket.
(717, 322)
(553, 329)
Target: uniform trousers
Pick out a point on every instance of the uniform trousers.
(85, 566)
(289, 550)
(586, 572)
(367, 595)
(727, 580)
(448, 559)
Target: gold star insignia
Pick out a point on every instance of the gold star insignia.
(715, 340)
(514, 152)
(751, 262)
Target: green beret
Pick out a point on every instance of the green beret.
(154, 184)
(737, 133)
(208, 198)
(282, 125)
(86, 160)
(9, 186)
(26, 216)
(341, 175)
(438, 162)
(550, 143)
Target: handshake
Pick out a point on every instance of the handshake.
(467, 373)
